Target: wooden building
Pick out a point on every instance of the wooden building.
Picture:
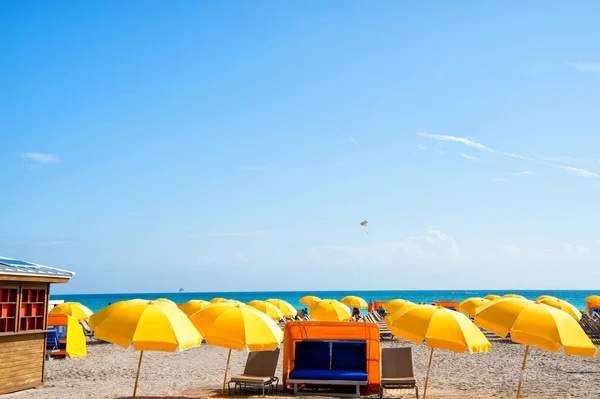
(24, 293)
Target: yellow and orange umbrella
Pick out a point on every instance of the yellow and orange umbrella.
(565, 306)
(330, 310)
(147, 325)
(191, 307)
(267, 308)
(286, 308)
(492, 297)
(395, 304)
(355, 302)
(309, 300)
(534, 324)
(437, 327)
(73, 309)
(469, 305)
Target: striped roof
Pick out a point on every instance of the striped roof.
(15, 267)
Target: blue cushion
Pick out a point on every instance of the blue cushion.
(349, 355)
(340, 375)
(313, 355)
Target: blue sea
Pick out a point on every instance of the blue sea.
(97, 301)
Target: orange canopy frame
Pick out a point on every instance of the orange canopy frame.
(296, 331)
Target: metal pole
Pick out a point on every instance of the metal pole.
(138, 374)
(522, 371)
(428, 369)
(226, 368)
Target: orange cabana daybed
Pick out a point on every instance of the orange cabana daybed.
(447, 304)
(298, 331)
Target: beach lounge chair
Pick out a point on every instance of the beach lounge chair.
(259, 371)
(397, 370)
(52, 344)
(87, 331)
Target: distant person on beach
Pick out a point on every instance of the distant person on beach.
(371, 305)
(381, 311)
(355, 313)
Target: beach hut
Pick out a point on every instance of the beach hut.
(24, 292)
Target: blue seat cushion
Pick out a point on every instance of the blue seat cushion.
(349, 355)
(340, 375)
(312, 355)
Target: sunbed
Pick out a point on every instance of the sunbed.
(397, 370)
(259, 371)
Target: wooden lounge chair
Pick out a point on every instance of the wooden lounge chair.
(259, 371)
(397, 370)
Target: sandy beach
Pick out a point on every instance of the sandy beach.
(109, 372)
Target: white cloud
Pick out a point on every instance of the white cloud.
(471, 143)
(254, 167)
(589, 67)
(499, 179)
(580, 172)
(42, 158)
(469, 157)
(352, 140)
(433, 245)
(523, 173)
(421, 147)
(257, 233)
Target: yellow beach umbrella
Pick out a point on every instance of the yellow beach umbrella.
(355, 302)
(539, 298)
(595, 299)
(492, 297)
(562, 305)
(395, 304)
(154, 326)
(514, 296)
(534, 324)
(309, 300)
(216, 300)
(439, 328)
(267, 308)
(237, 327)
(165, 300)
(469, 305)
(191, 307)
(286, 308)
(330, 310)
(73, 309)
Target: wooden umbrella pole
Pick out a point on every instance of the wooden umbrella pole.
(428, 369)
(522, 371)
(138, 374)
(226, 369)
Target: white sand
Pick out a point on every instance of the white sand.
(109, 372)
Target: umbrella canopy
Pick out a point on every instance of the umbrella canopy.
(565, 306)
(469, 305)
(395, 304)
(267, 308)
(514, 296)
(438, 327)
(148, 325)
(309, 300)
(539, 298)
(165, 300)
(191, 307)
(355, 302)
(286, 308)
(236, 327)
(534, 324)
(492, 297)
(595, 299)
(216, 300)
(330, 310)
(73, 309)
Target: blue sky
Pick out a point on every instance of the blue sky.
(236, 145)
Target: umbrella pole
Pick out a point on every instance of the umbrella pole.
(428, 369)
(138, 374)
(226, 368)
(522, 371)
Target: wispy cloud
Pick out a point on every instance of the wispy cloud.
(256, 233)
(467, 156)
(588, 67)
(254, 167)
(471, 143)
(352, 140)
(499, 179)
(523, 173)
(41, 158)
(421, 147)
(580, 172)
